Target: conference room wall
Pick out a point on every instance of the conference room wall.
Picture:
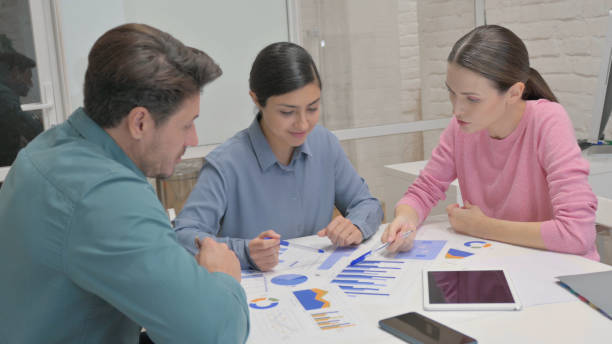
(564, 39)
(362, 39)
(379, 61)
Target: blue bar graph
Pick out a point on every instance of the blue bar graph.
(362, 276)
(335, 256)
(362, 271)
(373, 277)
(363, 266)
(381, 261)
(349, 287)
(423, 249)
(355, 282)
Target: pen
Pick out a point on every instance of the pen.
(303, 247)
(363, 256)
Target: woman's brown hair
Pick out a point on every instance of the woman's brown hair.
(500, 56)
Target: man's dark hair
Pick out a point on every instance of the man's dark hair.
(138, 65)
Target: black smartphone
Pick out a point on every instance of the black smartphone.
(416, 328)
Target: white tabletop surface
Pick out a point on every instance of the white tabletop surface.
(550, 314)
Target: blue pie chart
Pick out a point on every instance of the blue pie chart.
(289, 279)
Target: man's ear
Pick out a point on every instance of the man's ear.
(139, 121)
(515, 92)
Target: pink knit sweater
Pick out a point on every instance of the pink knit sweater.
(534, 174)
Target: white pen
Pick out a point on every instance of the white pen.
(363, 256)
(304, 247)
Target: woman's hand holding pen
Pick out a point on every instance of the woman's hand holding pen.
(406, 219)
(263, 250)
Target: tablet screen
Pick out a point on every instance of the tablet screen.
(482, 286)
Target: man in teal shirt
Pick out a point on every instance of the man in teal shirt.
(87, 254)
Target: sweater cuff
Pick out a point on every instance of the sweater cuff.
(362, 226)
(416, 205)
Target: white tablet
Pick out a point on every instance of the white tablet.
(482, 289)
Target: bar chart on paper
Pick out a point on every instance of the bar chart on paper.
(330, 320)
(369, 277)
(423, 249)
(335, 256)
(320, 309)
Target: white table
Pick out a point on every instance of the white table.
(550, 314)
(398, 177)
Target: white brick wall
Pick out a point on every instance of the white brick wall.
(410, 75)
(385, 62)
(370, 68)
(564, 39)
(441, 23)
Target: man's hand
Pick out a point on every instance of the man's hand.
(217, 257)
(393, 231)
(342, 232)
(263, 250)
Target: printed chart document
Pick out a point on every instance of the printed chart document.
(312, 297)
(379, 274)
(312, 313)
(290, 257)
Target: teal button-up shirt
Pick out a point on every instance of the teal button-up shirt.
(87, 254)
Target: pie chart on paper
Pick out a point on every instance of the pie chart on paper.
(477, 244)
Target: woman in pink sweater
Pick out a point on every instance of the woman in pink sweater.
(512, 148)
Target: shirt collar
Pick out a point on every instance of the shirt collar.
(91, 131)
(263, 152)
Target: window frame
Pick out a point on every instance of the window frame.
(48, 67)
